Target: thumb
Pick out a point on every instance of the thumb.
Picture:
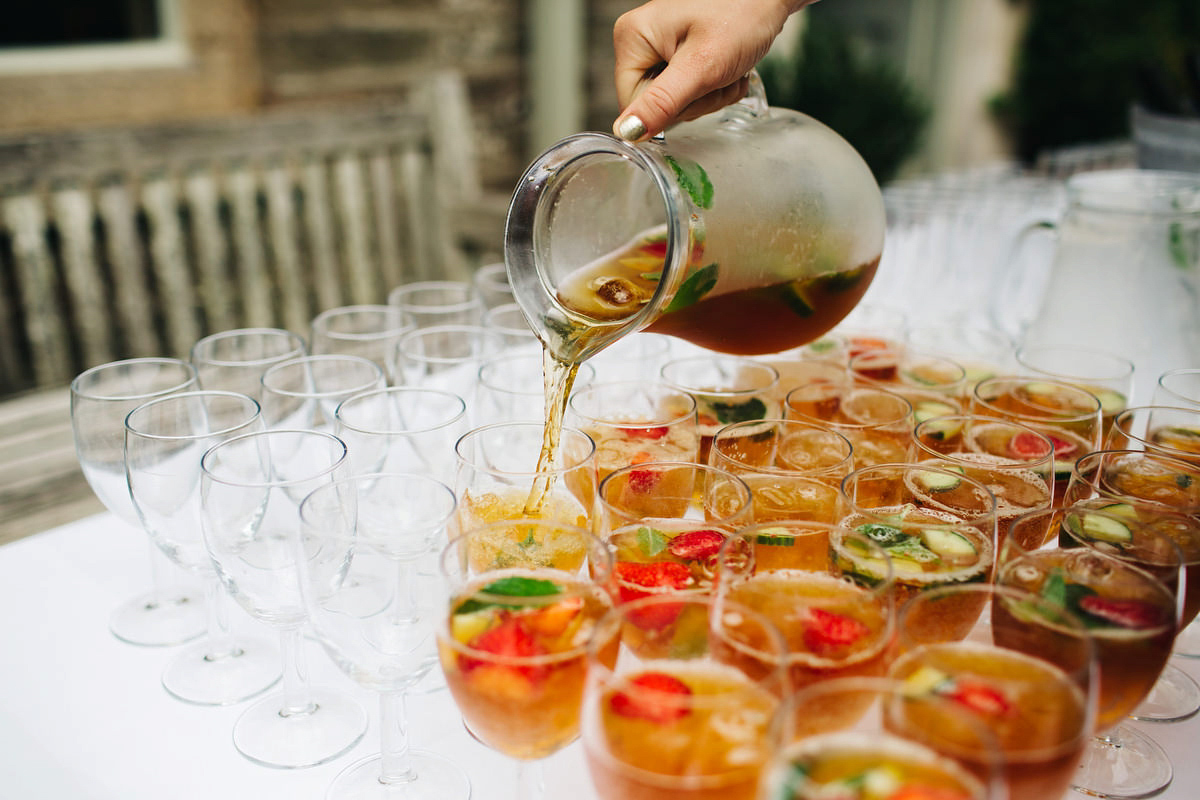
(659, 98)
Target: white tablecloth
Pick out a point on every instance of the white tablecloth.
(84, 717)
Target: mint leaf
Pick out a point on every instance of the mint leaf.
(651, 542)
(694, 287)
(883, 535)
(694, 180)
(512, 586)
(739, 412)
(1054, 590)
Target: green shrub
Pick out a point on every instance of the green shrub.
(867, 101)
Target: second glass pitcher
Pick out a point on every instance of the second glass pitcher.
(750, 230)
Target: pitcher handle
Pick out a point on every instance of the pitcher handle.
(1012, 286)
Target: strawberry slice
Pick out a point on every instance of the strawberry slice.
(636, 580)
(981, 698)
(1062, 447)
(827, 631)
(642, 481)
(655, 248)
(1026, 445)
(1123, 613)
(656, 696)
(657, 432)
(917, 792)
(696, 545)
(508, 640)
(656, 577)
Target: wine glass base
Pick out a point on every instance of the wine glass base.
(195, 678)
(1187, 643)
(267, 737)
(435, 778)
(1124, 765)
(1174, 698)
(159, 621)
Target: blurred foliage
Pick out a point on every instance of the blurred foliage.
(867, 101)
(1082, 63)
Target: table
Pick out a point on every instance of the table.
(83, 715)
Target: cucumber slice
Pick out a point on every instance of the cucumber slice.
(928, 409)
(780, 537)
(1040, 388)
(1120, 510)
(940, 481)
(1063, 468)
(947, 543)
(1099, 528)
(1110, 402)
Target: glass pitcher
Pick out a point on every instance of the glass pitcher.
(750, 230)
(1124, 277)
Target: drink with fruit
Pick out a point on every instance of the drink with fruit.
(684, 710)
(1027, 673)
(926, 550)
(726, 390)
(525, 598)
(660, 556)
(877, 422)
(1166, 430)
(671, 490)
(1106, 376)
(947, 493)
(498, 473)
(834, 624)
(793, 468)
(634, 422)
(1013, 461)
(1067, 415)
(1130, 613)
(908, 747)
(1144, 477)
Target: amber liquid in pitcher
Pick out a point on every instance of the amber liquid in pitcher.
(752, 320)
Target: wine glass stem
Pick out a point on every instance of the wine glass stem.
(395, 764)
(297, 699)
(156, 594)
(531, 781)
(220, 632)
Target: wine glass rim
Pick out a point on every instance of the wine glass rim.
(375, 370)
(455, 400)
(207, 467)
(576, 463)
(193, 395)
(295, 339)
(78, 390)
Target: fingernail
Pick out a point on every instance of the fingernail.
(630, 128)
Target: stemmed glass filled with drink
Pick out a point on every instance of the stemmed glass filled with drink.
(1132, 616)
(524, 600)
(681, 708)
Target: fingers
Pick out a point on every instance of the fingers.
(682, 91)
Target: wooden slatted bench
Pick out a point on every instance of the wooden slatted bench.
(119, 243)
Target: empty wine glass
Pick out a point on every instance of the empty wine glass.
(375, 613)
(444, 357)
(251, 488)
(305, 392)
(235, 360)
(431, 303)
(402, 428)
(367, 331)
(164, 442)
(101, 397)
(490, 283)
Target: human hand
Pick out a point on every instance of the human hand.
(680, 59)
